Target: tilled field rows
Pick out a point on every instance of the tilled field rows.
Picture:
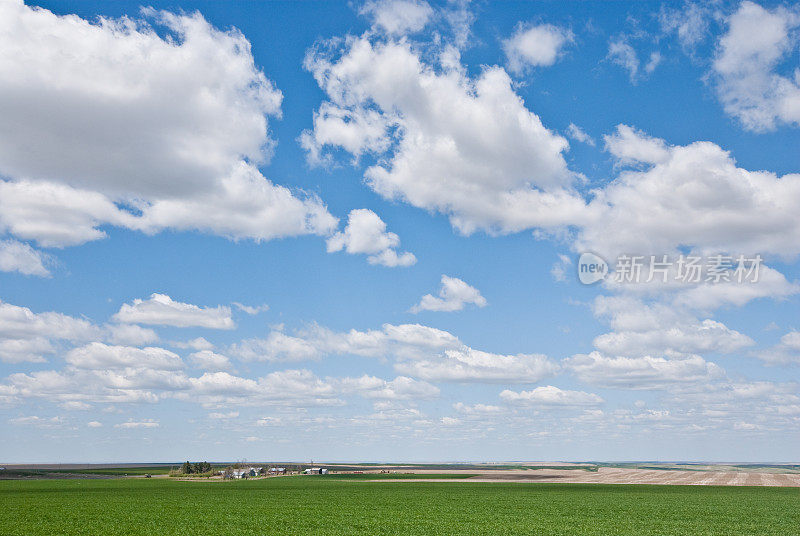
(613, 475)
(692, 478)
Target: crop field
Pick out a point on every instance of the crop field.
(399, 476)
(320, 506)
(121, 471)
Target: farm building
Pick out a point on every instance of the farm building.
(245, 472)
(315, 471)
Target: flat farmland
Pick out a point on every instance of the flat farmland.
(319, 506)
(626, 475)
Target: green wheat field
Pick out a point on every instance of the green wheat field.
(320, 506)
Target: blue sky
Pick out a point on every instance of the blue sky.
(294, 230)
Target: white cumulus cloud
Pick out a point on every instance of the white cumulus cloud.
(111, 123)
(99, 356)
(645, 372)
(418, 351)
(463, 146)
(578, 134)
(208, 360)
(31, 350)
(551, 396)
(161, 310)
(691, 196)
(398, 17)
(535, 46)
(21, 322)
(746, 66)
(19, 257)
(469, 365)
(131, 334)
(454, 295)
(366, 234)
(786, 352)
(147, 423)
(251, 309)
(685, 338)
(400, 388)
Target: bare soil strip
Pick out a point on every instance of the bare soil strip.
(609, 475)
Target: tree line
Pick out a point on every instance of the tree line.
(189, 468)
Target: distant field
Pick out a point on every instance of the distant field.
(121, 471)
(749, 467)
(82, 473)
(318, 505)
(398, 476)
